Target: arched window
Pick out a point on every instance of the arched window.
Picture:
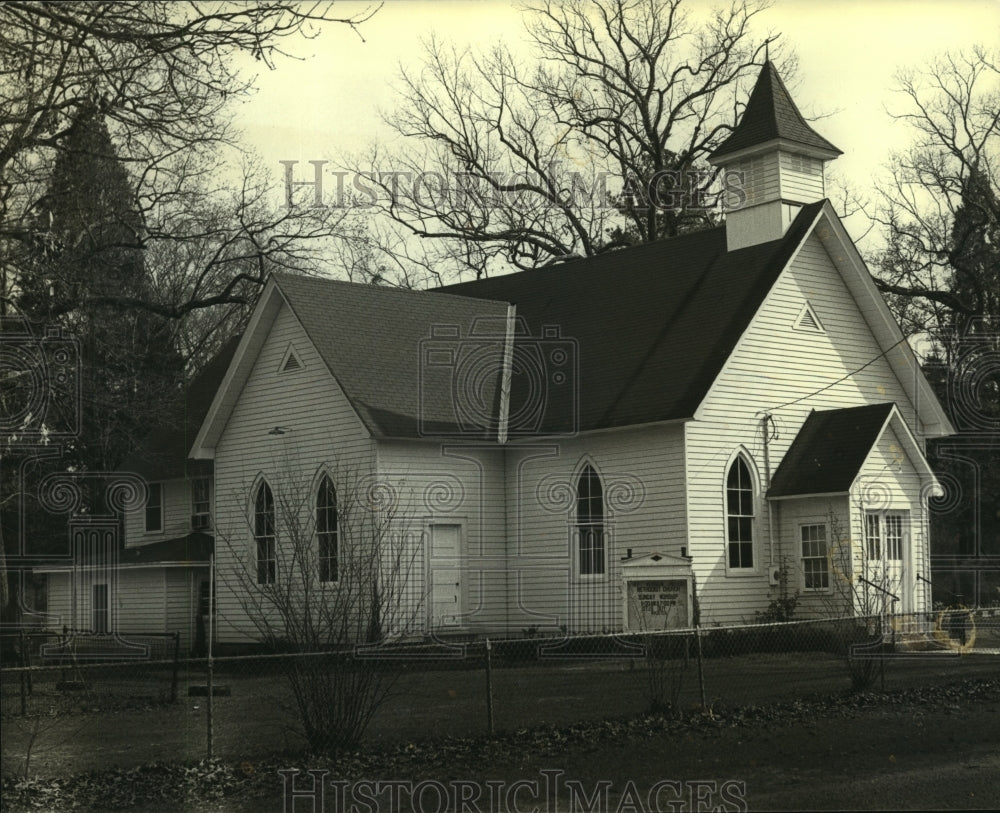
(590, 522)
(739, 515)
(326, 529)
(263, 532)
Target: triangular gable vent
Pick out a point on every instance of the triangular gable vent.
(808, 320)
(290, 362)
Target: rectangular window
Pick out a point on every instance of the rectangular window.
(199, 496)
(873, 539)
(884, 536)
(894, 537)
(154, 507)
(815, 564)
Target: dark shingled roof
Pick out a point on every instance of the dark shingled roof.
(376, 342)
(829, 450)
(163, 453)
(771, 114)
(195, 547)
(651, 325)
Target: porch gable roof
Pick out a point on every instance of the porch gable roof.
(832, 446)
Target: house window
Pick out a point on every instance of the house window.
(739, 515)
(590, 522)
(815, 564)
(263, 531)
(884, 534)
(893, 537)
(326, 529)
(154, 507)
(199, 496)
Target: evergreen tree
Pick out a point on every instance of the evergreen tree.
(87, 258)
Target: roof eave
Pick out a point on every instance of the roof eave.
(803, 496)
(887, 332)
(913, 452)
(236, 375)
(700, 409)
(783, 144)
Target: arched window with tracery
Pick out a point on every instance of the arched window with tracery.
(590, 522)
(740, 515)
(326, 529)
(264, 534)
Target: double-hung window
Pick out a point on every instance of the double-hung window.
(815, 561)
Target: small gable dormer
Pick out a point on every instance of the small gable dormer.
(773, 162)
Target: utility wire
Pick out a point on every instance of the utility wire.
(844, 377)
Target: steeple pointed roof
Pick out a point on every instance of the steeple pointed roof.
(771, 114)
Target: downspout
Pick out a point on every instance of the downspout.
(766, 429)
(502, 427)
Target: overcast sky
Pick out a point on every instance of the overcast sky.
(848, 51)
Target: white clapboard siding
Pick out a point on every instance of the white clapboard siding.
(801, 178)
(176, 516)
(59, 605)
(760, 178)
(834, 514)
(322, 430)
(182, 602)
(141, 601)
(461, 485)
(888, 481)
(773, 366)
(642, 474)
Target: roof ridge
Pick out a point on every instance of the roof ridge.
(391, 290)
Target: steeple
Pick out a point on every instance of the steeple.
(772, 164)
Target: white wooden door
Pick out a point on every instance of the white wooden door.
(446, 576)
(895, 560)
(887, 552)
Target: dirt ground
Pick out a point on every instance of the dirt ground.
(925, 749)
(256, 719)
(935, 754)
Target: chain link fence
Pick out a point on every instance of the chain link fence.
(470, 687)
(67, 672)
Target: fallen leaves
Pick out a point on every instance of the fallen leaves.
(179, 785)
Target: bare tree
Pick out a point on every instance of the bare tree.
(330, 575)
(940, 270)
(162, 75)
(860, 600)
(940, 212)
(600, 143)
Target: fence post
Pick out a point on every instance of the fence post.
(701, 668)
(881, 652)
(489, 686)
(211, 634)
(24, 675)
(177, 658)
(27, 662)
